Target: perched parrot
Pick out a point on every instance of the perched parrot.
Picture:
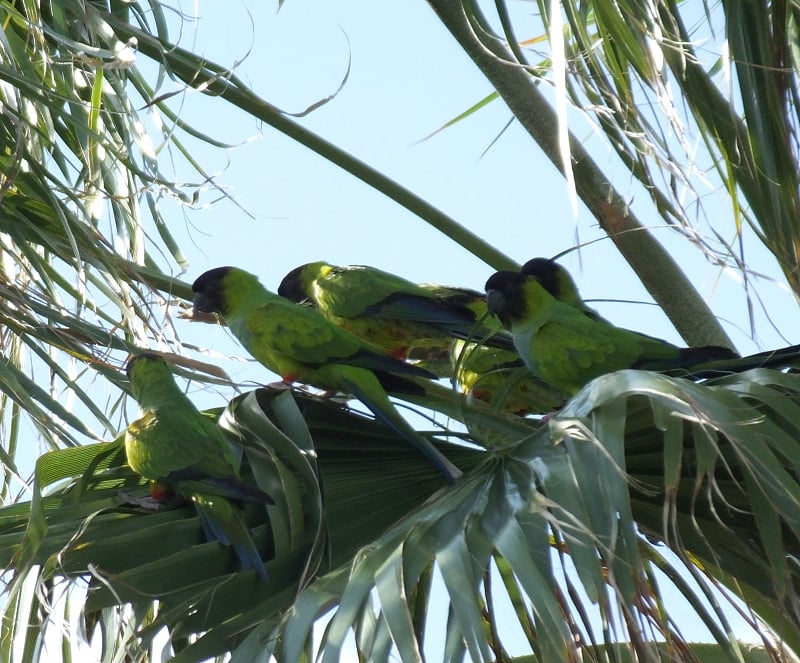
(499, 377)
(567, 348)
(484, 372)
(179, 449)
(300, 345)
(393, 313)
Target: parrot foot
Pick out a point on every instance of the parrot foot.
(282, 385)
(149, 503)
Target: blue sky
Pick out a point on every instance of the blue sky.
(407, 77)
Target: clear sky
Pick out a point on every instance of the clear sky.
(407, 77)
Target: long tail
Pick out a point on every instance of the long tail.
(375, 398)
(780, 358)
(451, 403)
(224, 522)
(498, 339)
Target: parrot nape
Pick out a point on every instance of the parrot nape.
(179, 449)
(301, 345)
(567, 348)
(391, 312)
(558, 282)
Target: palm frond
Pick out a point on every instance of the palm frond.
(640, 482)
(78, 527)
(585, 502)
(77, 291)
(640, 478)
(623, 66)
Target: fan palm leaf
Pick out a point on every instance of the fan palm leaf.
(638, 483)
(635, 466)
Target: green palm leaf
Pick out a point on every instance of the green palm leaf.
(76, 295)
(577, 526)
(591, 484)
(78, 527)
(636, 464)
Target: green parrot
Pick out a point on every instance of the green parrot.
(406, 319)
(499, 377)
(567, 348)
(484, 372)
(300, 345)
(179, 449)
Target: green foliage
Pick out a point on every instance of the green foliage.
(637, 463)
(74, 155)
(621, 65)
(79, 526)
(577, 525)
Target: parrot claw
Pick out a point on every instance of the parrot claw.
(281, 385)
(147, 502)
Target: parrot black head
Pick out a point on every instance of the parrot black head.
(554, 278)
(505, 296)
(208, 291)
(547, 272)
(294, 285)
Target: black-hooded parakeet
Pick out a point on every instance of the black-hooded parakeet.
(179, 449)
(567, 348)
(406, 319)
(301, 345)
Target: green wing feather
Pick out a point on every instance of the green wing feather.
(195, 443)
(390, 311)
(567, 349)
(355, 291)
(299, 344)
(296, 341)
